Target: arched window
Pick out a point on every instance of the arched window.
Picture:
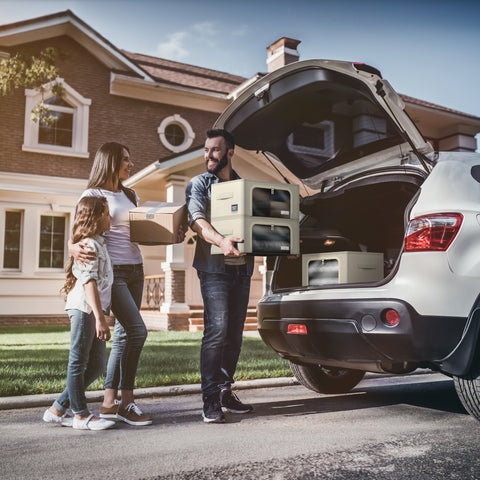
(175, 133)
(68, 135)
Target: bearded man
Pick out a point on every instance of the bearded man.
(224, 282)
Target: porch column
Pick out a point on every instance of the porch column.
(174, 312)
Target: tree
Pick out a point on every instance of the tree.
(35, 71)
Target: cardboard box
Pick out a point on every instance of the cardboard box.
(157, 223)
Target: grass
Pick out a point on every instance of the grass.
(34, 360)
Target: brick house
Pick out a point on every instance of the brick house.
(160, 109)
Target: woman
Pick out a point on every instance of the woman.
(112, 165)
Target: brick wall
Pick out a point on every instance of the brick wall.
(112, 118)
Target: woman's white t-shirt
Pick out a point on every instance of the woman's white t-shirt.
(121, 250)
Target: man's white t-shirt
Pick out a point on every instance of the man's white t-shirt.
(121, 250)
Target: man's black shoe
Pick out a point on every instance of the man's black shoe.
(212, 411)
(231, 403)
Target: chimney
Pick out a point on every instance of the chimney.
(282, 52)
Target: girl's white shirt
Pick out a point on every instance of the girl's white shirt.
(122, 251)
(99, 270)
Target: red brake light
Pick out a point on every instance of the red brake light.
(432, 232)
(391, 317)
(297, 329)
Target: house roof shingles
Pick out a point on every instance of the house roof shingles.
(176, 73)
(423, 103)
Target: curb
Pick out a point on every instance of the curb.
(45, 400)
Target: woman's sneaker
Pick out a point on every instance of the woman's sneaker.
(109, 412)
(231, 403)
(132, 415)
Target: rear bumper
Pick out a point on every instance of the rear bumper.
(351, 334)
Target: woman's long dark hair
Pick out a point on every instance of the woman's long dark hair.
(106, 166)
(86, 224)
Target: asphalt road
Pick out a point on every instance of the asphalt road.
(410, 427)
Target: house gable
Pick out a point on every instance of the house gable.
(68, 24)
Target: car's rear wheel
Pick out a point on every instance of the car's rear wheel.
(468, 390)
(326, 379)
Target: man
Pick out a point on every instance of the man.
(224, 283)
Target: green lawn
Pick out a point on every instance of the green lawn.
(34, 360)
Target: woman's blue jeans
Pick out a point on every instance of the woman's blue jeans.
(225, 300)
(129, 333)
(86, 362)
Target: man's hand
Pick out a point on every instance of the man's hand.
(181, 234)
(227, 245)
(81, 252)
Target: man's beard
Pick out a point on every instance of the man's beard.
(221, 164)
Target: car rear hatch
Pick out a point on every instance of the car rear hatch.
(327, 121)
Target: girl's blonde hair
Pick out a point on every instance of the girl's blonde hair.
(86, 223)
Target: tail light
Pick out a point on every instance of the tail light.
(297, 329)
(432, 232)
(391, 317)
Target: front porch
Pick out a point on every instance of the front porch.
(155, 319)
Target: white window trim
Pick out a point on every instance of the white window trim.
(81, 111)
(184, 125)
(54, 213)
(3, 219)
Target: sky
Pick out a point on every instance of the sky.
(427, 49)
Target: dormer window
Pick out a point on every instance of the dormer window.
(61, 131)
(68, 135)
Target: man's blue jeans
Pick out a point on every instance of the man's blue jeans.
(129, 333)
(225, 300)
(86, 362)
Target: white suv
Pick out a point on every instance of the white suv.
(374, 186)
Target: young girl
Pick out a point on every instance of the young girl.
(88, 289)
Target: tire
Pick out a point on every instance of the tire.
(468, 391)
(325, 379)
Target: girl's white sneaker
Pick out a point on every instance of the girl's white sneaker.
(62, 421)
(87, 424)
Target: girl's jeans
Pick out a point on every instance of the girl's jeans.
(130, 332)
(225, 300)
(86, 362)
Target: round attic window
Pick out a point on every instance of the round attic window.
(175, 133)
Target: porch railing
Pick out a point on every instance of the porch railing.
(154, 292)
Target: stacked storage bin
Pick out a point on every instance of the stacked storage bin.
(264, 214)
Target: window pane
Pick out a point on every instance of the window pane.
(57, 260)
(59, 225)
(46, 224)
(57, 101)
(11, 249)
(174, 134)
(60, 133)
(57, 242)
(52, 242)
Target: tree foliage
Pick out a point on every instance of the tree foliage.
(34, 71)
